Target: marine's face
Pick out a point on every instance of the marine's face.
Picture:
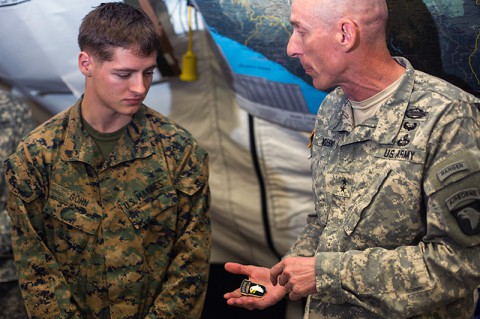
(313, 42)
(122, 84)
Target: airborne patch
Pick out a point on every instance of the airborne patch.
(462, 198)
(465, 207)
(248, 288)
(468, 218)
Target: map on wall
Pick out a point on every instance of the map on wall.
(439, 37)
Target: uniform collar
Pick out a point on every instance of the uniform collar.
(79, 146)
(384, 127)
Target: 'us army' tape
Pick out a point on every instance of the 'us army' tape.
(248, 288)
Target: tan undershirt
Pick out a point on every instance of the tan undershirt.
(365, 109)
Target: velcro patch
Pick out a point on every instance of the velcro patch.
(451, 169)
(459, 199)
(468, 218)
(401, 154)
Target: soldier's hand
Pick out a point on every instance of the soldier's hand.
(259, 275)
(296, 275)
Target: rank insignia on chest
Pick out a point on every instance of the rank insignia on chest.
(342, 186)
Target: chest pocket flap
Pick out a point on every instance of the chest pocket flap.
(73, 208)
(363, 195)
(144, 205)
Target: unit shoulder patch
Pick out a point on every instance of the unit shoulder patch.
(465, 207)
(468, 218)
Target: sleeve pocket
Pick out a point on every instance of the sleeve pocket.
(453, 187)
(453, 169)
(21, 180)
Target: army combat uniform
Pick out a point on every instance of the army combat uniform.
(396, 232)
(15, 122)
(124, 237)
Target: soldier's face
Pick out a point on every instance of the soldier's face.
(314, 43)
(122, 84)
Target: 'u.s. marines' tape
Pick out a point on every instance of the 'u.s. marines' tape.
(248, 288)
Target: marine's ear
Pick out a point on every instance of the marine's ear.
(85, 63)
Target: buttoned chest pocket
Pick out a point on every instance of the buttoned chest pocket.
(385, 209)
(75, 219)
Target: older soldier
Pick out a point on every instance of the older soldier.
(396, 176)
(15, 122)
(109, 199)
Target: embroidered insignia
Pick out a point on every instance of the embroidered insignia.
(248, 288)
(460, 199)
(468, 218)
(343, 188)
(451, 169)
(404, 141)
(410, 126)
(328, 142)
(399, 154)
(416, 113)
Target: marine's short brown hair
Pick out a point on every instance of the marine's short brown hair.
(117, 25)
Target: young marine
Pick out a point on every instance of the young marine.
(109, 200)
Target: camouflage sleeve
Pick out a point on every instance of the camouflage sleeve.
(43, 286)
(410, 280)
(307, 242)
(15, 123)
(184, 289)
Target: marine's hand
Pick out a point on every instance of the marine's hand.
(297, 275)
(259, 275)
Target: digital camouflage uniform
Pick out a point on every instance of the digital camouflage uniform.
(15, 122)
(128, 237)
(396, 232)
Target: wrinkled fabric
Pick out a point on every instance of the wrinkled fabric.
(128, 237)
(396, 232)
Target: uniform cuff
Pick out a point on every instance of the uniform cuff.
(327, 272)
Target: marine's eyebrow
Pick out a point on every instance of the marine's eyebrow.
(152, 67)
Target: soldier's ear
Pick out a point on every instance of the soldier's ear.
(347, 34)
(85, 63)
